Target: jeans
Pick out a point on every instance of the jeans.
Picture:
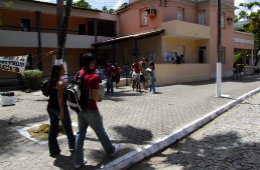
(109, 85)
(235, 72)
(95, 120)
(152, 88)
(54, 129)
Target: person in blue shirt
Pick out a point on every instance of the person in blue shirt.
(100, 73)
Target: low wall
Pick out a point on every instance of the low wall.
(167, 74)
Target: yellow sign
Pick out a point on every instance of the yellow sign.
(14, 64)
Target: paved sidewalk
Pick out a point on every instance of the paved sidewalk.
(130, 118)
(231, 141)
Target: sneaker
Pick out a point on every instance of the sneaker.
(107, 93)
(84, 162)
(116, 150)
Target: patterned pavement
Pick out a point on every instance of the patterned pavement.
(131, 118)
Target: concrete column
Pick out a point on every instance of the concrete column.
(252, 61)
(244, 58)
(39, 49)
(136, 49)
(95, 28)
(114, 54)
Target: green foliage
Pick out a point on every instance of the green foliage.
(32, 79)
(253, 26)
(20, 79)
(82, 4)
(106, 10)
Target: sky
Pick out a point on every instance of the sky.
(115, 3)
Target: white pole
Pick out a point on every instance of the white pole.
(219, 79)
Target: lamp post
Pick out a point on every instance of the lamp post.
(219, 64)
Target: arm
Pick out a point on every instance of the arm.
(60, 87)
(96, 96)
(94, 90)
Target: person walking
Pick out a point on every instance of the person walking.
(182, 59)
(100, 73)
(133, 76)
(110, 73)
(137, 70)
(58, 110)
(143, 73)
(241, 69)
(117, 74)
(152, 74)
(90, 115)
(235, 70)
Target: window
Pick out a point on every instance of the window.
(150, 56)
(143, 18)
(180, 14)
(222, 20)
(82, 29)
(202, 18)
(168, 56)
(25, 25)
(126, 56)
(222, 54)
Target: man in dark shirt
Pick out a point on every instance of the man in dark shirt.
(90, 116)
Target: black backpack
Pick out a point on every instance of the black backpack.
(43, 87)
(75, 93)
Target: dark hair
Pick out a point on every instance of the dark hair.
(87, 59)
(53, 77)
(136, 60)
(108, 61)
(143, 58)
(152, 64)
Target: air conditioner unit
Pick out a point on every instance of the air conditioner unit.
(230, 19)
(150, 12)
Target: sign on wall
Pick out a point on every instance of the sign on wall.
(14, 64)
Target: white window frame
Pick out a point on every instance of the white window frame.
(180, 14)
(21, 24)
(222, 20)
(144, 19)
(202, 17)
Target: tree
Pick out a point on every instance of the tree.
(64, 28)
(82, 3)
(106, 10)
(253, 26)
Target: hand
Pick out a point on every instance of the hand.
(111, 78)
(61, 115)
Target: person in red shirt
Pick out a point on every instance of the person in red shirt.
(117, 74)
(90, 115)
(110, 73)
(137, 67)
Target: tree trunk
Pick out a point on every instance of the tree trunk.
(63, 33)
(256, 53)
(59, 14)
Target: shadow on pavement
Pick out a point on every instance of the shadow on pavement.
(217, 152)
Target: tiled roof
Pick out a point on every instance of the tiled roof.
(137, 36)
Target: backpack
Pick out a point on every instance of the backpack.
(75, 93)
(43, 87)
(178, 60)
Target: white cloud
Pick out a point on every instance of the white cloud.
(237, 2)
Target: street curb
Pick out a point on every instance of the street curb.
(137, 155)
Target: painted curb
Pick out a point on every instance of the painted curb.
(137, 155)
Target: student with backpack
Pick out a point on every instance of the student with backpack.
(110, 74)
(90, 115)
(57, 109)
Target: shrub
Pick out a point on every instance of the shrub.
(20, 79)
(32, 79)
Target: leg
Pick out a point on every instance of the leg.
(53, 132)
(108, 79)
(66, 122)
(80, 137)
(95, 121)
(111, 86)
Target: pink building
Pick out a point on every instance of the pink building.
(157, 29)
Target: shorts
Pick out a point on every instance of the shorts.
(117, 78)
(142, 79)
